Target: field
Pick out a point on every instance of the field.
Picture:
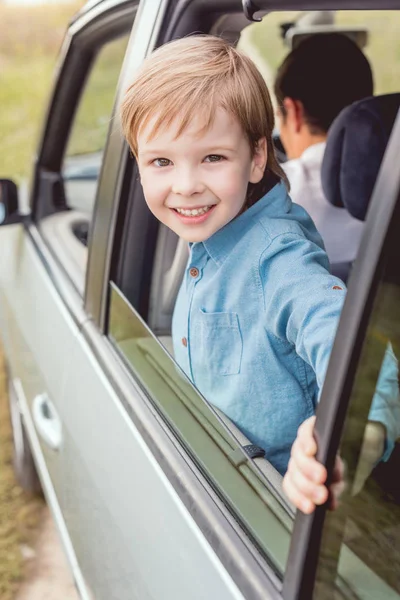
(30, 39)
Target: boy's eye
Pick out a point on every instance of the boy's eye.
(161, 162)
(213, 158)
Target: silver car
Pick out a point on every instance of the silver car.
(155, 494)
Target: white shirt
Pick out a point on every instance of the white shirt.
(340, 231)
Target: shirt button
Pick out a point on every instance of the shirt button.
(194, 272)
(184, 342)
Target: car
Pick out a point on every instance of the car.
(156, 495)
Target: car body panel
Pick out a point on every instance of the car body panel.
(118, 495)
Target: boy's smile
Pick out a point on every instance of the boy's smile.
(197, 182)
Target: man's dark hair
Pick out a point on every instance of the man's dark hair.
(325, 72)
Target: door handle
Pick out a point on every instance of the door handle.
(47, 421)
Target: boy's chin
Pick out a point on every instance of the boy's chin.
(193, 238)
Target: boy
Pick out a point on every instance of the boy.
(257, 311)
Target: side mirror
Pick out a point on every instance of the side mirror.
(9, 203)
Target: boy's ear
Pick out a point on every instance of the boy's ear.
(259, 161)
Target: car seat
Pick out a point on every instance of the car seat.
(356, 143)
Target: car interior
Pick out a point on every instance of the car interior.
(355, 148)
(350, 168)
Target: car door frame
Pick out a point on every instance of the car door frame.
(84, 37)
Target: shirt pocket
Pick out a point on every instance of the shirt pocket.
(221, 344)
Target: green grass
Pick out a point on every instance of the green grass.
(30, 38)
(92, 120)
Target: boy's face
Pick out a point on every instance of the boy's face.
(196, 183)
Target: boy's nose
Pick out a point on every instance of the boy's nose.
(187, 183)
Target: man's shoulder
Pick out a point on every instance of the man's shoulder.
(291, 167)
(307, 166)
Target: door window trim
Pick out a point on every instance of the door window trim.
(113, 176)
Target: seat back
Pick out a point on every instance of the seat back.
(355, 147)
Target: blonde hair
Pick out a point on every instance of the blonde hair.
(195, 75)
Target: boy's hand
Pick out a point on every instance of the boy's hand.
(304, 482)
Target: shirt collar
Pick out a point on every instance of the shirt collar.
(273, 204)
(314, 152)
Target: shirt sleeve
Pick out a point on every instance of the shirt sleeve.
(385, 406)
(303, 302)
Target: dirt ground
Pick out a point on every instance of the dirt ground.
(47, 576)
(32, 561)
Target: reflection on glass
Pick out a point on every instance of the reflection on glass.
(360, 553)
(255, 503)
(84, 154)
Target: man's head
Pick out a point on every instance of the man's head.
(199, 119)
(314, 83)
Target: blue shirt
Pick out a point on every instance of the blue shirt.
(255, 321)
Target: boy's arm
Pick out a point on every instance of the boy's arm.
(302, 300)
(303, 306)
(304, 481)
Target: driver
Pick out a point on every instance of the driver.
(319, 78)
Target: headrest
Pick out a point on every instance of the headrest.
(356, 143)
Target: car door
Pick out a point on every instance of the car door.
(45, 259)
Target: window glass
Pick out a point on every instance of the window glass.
(360, 554)
(88, 134)
(250, 489)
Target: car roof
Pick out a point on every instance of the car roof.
(89, 4)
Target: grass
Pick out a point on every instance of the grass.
(30, 38)
(92, 120)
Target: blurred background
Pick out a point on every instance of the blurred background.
(31, 33)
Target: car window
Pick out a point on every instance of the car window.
(269, 41)
(360, 554)
(250, 489)
(84, 152)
